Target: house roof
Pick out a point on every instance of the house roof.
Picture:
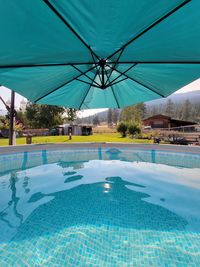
(156, 116)
(169, 118)
(184, 122)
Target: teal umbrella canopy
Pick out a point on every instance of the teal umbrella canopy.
(98, 53)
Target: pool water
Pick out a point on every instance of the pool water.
(100, 207)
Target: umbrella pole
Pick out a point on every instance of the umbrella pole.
(12, 113)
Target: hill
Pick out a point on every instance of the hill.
(178, 99)
(193, 97)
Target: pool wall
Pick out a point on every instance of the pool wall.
(59, 146)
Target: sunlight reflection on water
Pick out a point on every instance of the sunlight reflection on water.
(70, 207)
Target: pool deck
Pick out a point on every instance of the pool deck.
(59, 146)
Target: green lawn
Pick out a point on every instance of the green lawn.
(111, 137)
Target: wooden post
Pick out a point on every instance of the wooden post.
(12, 114)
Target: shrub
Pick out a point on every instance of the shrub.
(134, 129)
(122, 128)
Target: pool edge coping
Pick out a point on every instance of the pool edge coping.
(58, 146)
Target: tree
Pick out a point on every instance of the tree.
(143, 110)
(133, 129)
(4, 124)
(71, 114)
(122, 128)
(21, 117)
(181, 111)
(169, 108)
(96, 120)
(110, 117)
(44, 116)
(133, 114)
(196, 116)
(115, 116)
(155, 110)
(187, 106)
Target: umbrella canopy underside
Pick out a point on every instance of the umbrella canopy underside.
(98, 53)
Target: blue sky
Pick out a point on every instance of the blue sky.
(5, 94)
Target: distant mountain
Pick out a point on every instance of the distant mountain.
(180, 98)
(102, 116)
(193, 97)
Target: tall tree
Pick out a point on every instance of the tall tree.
(169, 108)
(155, 110)
(180, 111)
(71, 114)
(143, 110)
(110, 116)
(133, 114)
(96, 120)
(115, 116)
(44, 116)
(21, 117)
(187, 106)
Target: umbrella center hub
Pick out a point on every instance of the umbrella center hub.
(102, 70)
(102, 63)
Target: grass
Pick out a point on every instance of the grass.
(109, 137)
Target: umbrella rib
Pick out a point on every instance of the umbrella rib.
(93, 57)
(118, 81)
(45, 65)
(88, 83)
(86, 74)
(151, 26)
(113, 92)
(98, 72)
(87, 93)
(139, 83)
(121, 72)
(68, 25)
(156, 62)
(108, 76)
(97, 68)
(62, 85)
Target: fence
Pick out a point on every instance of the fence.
(177, 135)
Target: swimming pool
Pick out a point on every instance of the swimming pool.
(100, 207)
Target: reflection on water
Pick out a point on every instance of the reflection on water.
(112, 189)
(12, 202)
(87, 204)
